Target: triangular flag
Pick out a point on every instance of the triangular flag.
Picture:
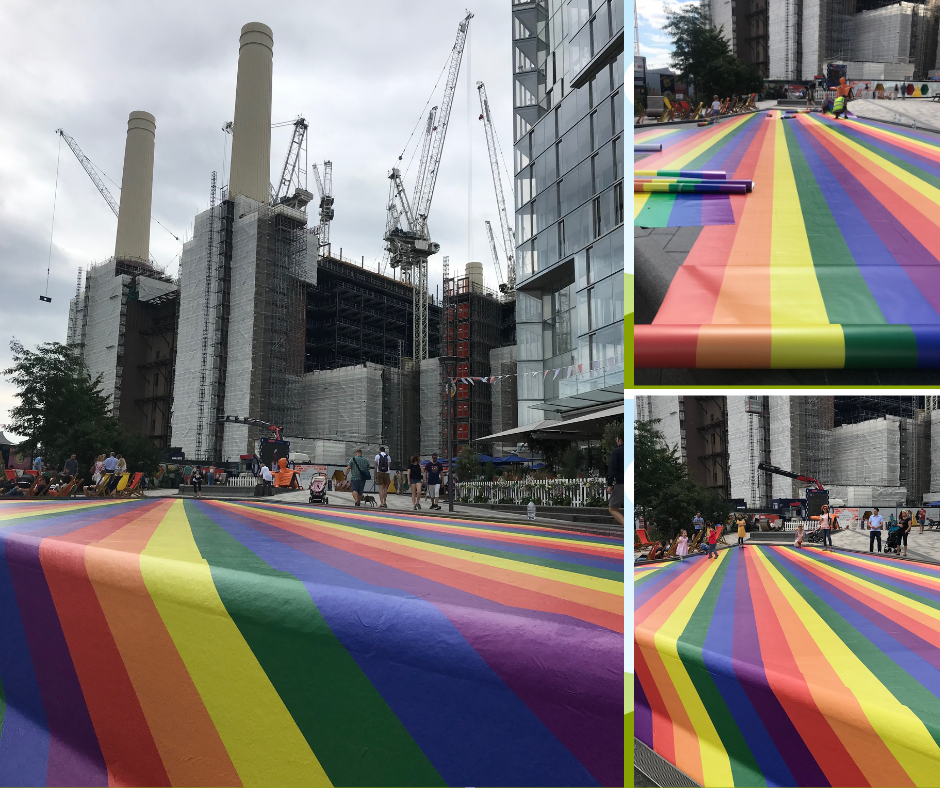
(580, 368)
(596, 365)
(545, 373)
(611, 361)
(556, 374)
(569, 370)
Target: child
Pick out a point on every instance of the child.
(682, 550)
(712, 541)
(798, 542)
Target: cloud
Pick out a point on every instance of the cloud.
(359, 72)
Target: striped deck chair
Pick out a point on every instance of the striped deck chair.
(66, 490)
(95, 491)
(134, 489)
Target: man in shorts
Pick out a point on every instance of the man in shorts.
(383, 464)
(615, 481)
(432, 479)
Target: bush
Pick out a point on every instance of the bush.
(560, 500)
(481, 498)
(596, 502)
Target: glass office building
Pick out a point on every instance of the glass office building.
(568, 64)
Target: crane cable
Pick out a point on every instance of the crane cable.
(55, 197)
(422, 115)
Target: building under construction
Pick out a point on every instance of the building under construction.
(265, 323)
(794, 40)
(867, 450)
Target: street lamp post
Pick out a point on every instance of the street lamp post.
(448, 363)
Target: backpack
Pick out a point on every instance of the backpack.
(383, 463)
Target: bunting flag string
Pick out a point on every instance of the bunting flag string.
(559, 372)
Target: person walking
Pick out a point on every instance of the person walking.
(825, 525)
(267, 481)
(698, 523)
(415, 474)
(875, 523)
(357, 471)
(71, 468)
(210, 477)
(197, 479)
(615, 477)
(682, 548)
(906, 521)
(712, 542)
(383, 464)
(922, 519)
(432, 479)
(742, 529)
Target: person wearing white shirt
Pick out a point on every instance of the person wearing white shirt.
(383, 466)
(875, 523)
(268, 480)
(716, 107)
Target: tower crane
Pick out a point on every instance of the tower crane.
(495, 253)
(90, 169)
(292, 171)
(425, 149)
(325, 189)
(410, 247)
(509, 241)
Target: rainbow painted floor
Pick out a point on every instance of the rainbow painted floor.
(163, 642)
(833, 261)
(777, 666)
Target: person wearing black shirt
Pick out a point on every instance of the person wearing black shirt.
(415, 475)
(615, 481)
(71, 468)
(433, 471)
(197, 481)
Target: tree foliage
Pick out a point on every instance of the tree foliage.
(666, 498)
(467, 466)
(62, 411)
(702, 56)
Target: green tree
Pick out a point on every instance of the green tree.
(62, 411)
(467, 466)
(666, 498)
(702, 56)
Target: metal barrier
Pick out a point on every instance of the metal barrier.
(545, 492)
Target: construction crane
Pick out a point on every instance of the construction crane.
(423, 161)
(495, 253)
(410, 247)
(509, 240)
(325, 188)
(90, 169)
(763, 466)
(292, 171)
(815, 498)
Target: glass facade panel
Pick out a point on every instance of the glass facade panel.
(571, 165)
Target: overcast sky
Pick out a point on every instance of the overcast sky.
(359, 71)
(655, 45)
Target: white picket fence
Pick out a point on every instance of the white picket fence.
(543, 492)
(243, 480)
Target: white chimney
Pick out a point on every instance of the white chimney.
(133, 232)
(250, 174)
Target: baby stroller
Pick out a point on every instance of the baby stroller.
(893, 543)
(318, 489)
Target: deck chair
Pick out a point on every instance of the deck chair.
(763, 525)
(66, 490)
(731, 106)
(697, 112)
(655, 107)
(721, 536)
(95, 491)
(638, 120)
(121, 486)
(134, 489)
(34, 491)
(669, 111)
(671, 552)
(11, 475)
(695, 544)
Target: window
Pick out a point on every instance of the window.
(578, 13)
(617, 101)
(561, 234)
(523, 29)
(600, 85)
(603, 124)
(526, 90)
(579, 50)
(618, 203)
(524, 188)
(523, 150)
(618, 157)
(524, 57)
(600, 28)
(603, 168)
(597, 217)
